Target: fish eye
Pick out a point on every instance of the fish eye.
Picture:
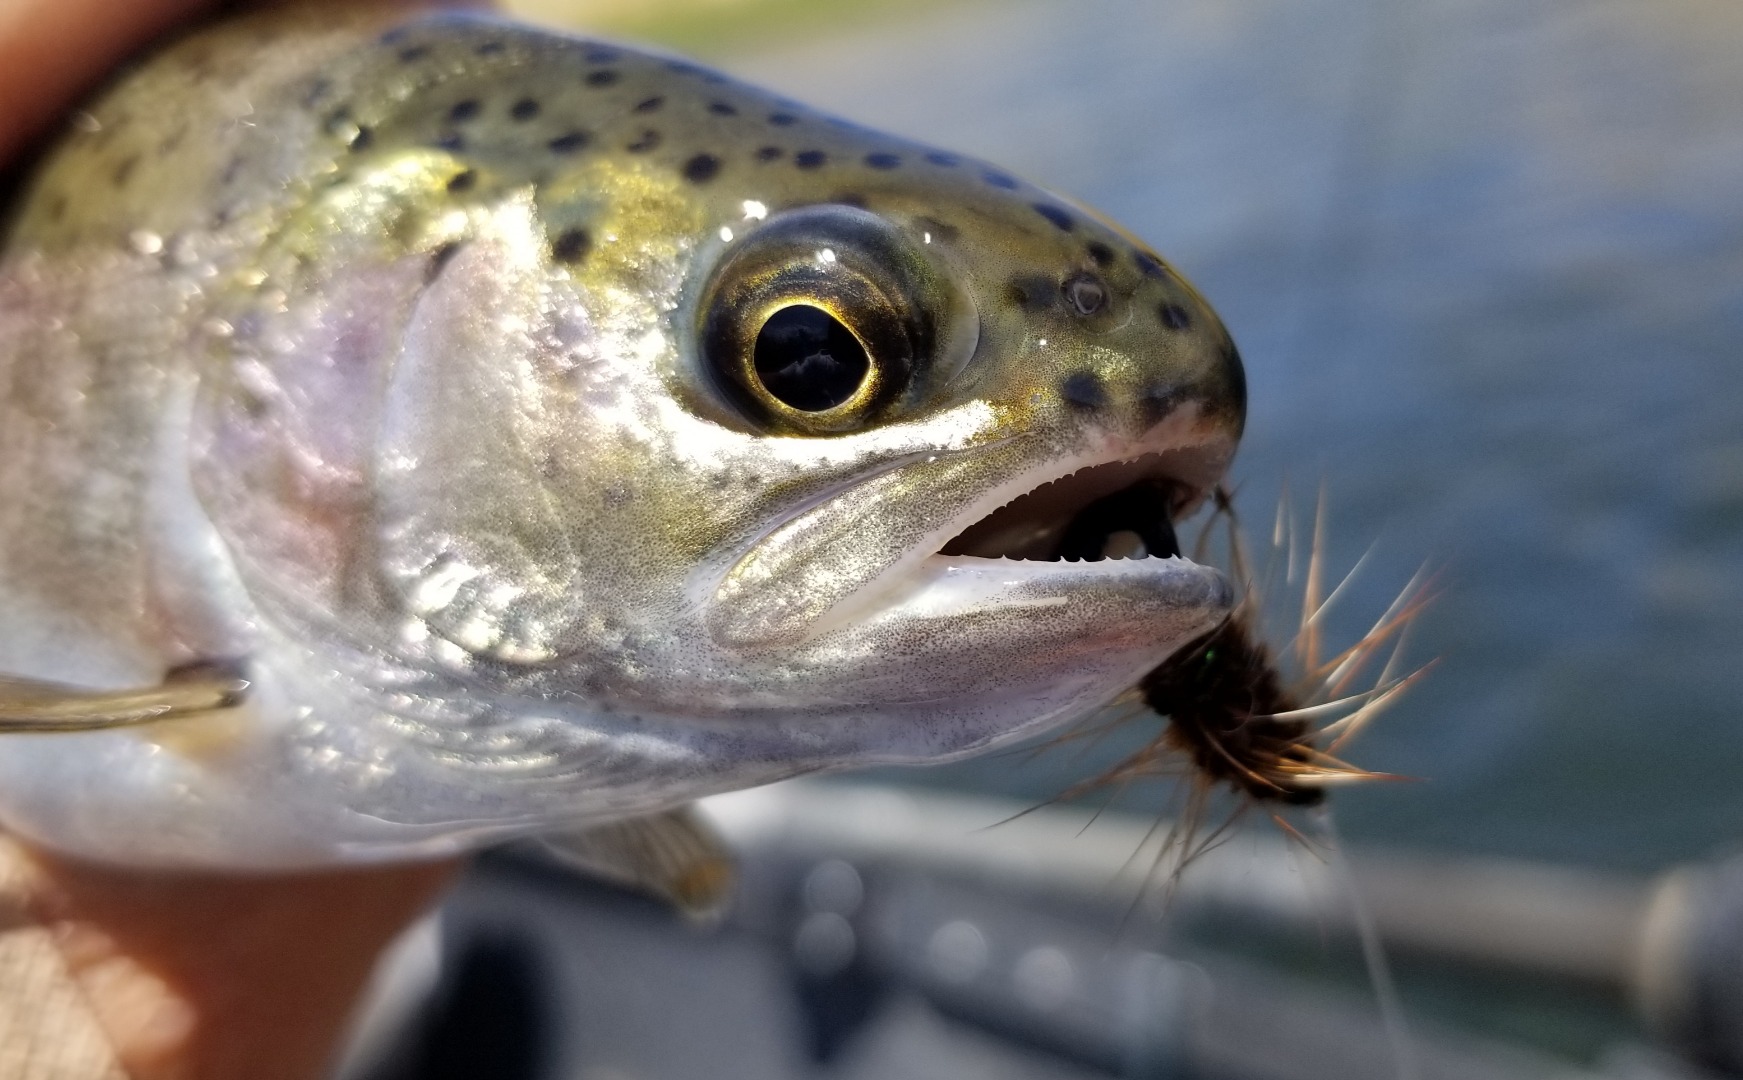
(828, 318)
(807, 359)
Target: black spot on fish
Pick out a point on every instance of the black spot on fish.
(701, 168)
(1174, 317)
(451, 141)
(569, 143)
(1036, 292)
(124, 171)
(722, 108)
(649, 140)
(1084, 391)
(1150, 265)
(465, 110)
(489, 48)
(524, 109)
(1000, 180)
(883, 160)
(941, 230)
(414, 53)
(602, 78)
(571, 246)
(1154, 405)
(317, 92)
(463, 181)
(783, 119)
(57, 208)
(768, 153)
(943, 160)
(232, 169)
(253, 405)
(1237, 375)
(1060, 219)
(177, 252)
(200, 64)
(439, 260)
(810, 159)
(1100, 253)
(648, 105)
(363, 140)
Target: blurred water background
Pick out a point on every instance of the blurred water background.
(1484, 259)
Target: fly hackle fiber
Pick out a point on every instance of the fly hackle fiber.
(1237, 716)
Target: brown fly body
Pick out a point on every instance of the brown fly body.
(1261, 723)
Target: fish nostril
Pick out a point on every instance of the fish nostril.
(1085, 293)
(1174, 317)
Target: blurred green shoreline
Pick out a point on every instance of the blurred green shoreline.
(715, 27)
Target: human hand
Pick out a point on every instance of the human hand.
(214, 977)
(51, 50)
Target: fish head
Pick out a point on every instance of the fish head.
(600, 385)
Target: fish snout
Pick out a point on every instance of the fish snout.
(1147, 383)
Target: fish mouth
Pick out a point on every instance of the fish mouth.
(1114, 510)
(1005, 527)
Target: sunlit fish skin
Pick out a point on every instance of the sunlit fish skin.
(551, 432)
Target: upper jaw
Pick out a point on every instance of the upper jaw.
(868, 548)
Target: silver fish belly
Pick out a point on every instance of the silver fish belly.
(537, 432)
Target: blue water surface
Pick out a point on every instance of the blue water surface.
(1485, 262)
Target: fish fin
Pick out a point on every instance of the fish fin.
(675, 856)
(30, 706)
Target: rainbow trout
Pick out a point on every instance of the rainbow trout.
(419, 431)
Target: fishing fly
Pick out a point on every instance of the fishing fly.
(1266, 725)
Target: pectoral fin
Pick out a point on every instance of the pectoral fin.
(29, 706)
(674, 856)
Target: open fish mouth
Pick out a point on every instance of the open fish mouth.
(1115, 510)
(1092, 529)
(1100, 538)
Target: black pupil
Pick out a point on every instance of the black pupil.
(806, 359)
